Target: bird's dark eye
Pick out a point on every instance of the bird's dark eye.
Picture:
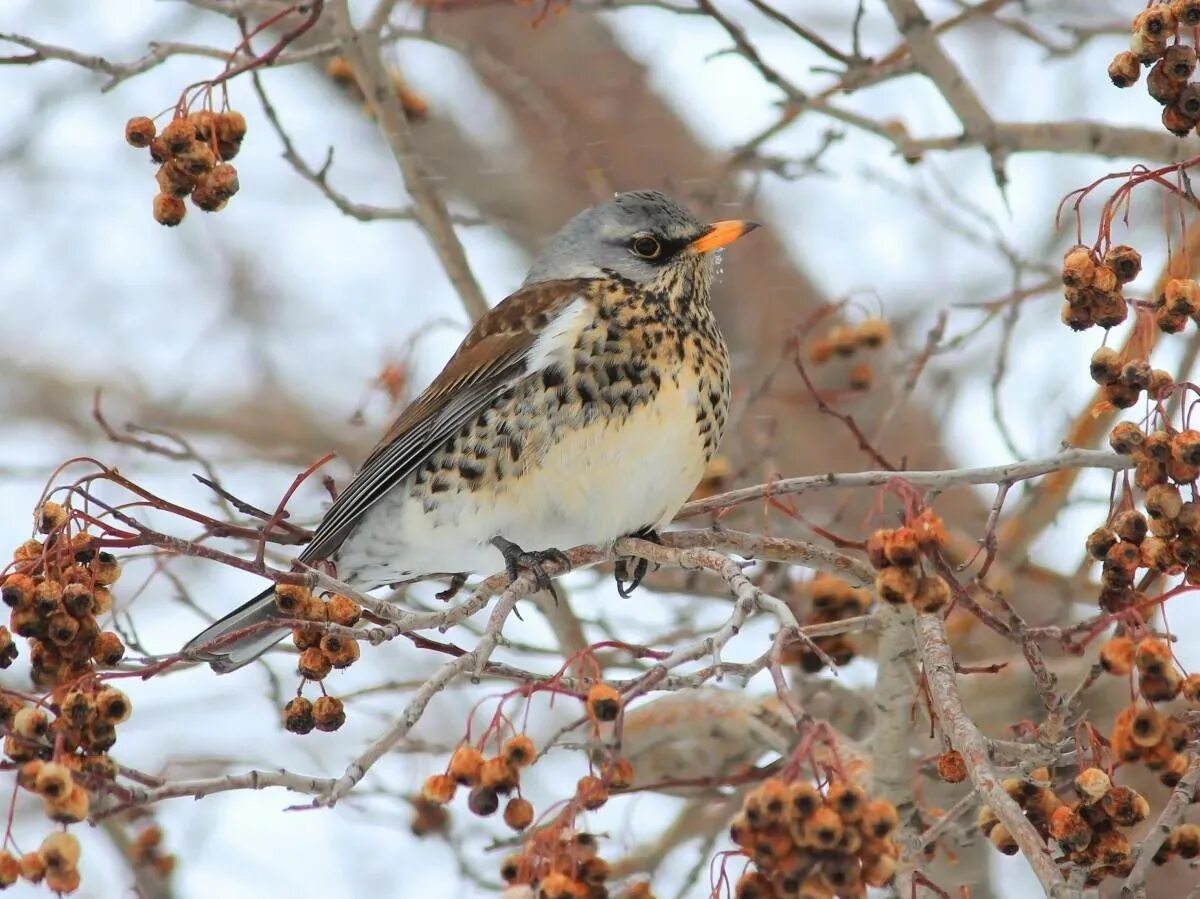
(647, 247)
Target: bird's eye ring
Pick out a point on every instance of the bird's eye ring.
(647, 247)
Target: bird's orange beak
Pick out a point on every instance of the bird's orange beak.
(721, 234)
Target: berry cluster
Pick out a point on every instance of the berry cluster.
(192, 154)
(58, 743)
(56, 863)
(1122, 380)
(487, 779)
(1142, 733)
(1094, 286)
(1171, 66)
(896, 555)
(1084, 824)
(1166, 538)
(559, 863)
(847, 341)
(320, 653)
(802, 842)
(832, 599)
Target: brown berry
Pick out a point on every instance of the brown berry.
(483, 801)
(1124, 69)
(933, 594)
(951, 767)
(298, 716)
(168, 210)
(328, 713)
(140, 131)
(896, 585)
(1079, 267)
(592, 792)
(314, 664)
(518, 813)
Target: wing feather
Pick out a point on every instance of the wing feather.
(491, 359)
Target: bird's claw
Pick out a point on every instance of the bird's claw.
(640, 566)
(534, 562)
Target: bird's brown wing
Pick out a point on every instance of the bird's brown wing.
(490, 360)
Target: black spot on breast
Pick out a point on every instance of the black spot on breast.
(586, 393)
(714, 397)
(472, 471)
(552, 377)
(633, 374)
(514, 449)
(612, 371)
(438, 486)
(655, 379)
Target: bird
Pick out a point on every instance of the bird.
(582, 408)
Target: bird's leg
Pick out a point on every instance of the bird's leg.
(516, 558)
(640, 566)
(451, 591)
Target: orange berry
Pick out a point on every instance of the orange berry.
(140, 131)
(438, 788)
(466, 764)
(328, 713)
(603, 703)
(168, 210)
(518, 813)
(298, 716)
(591, 792)
(951, 766)
(60, 850)
(518, 751)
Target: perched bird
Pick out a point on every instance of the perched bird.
(581, 409)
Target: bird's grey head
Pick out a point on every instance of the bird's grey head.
(641, 235)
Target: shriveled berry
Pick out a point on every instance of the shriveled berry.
(298, 716)
(140, 131)
(328, 713)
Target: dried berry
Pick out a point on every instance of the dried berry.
(328, 713)
(1105, 365)
(439, 789)
(168, 210)
(140, 131)
(1124, 69)
(518, 751)
(603, 703)
(1079, 267)
(465, 765)
(951, 767)
(933, 594)
(314, 664)
(1126, 437)
(298, 716)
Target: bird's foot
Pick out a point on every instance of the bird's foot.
(451, 591)
(516, 558)
(640, 566)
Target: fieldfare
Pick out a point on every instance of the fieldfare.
(581, 409)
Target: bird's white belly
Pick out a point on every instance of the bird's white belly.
(593, 485)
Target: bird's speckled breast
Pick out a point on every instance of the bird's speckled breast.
(610, 439)
(628, 346)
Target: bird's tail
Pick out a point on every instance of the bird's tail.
(225, 654)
